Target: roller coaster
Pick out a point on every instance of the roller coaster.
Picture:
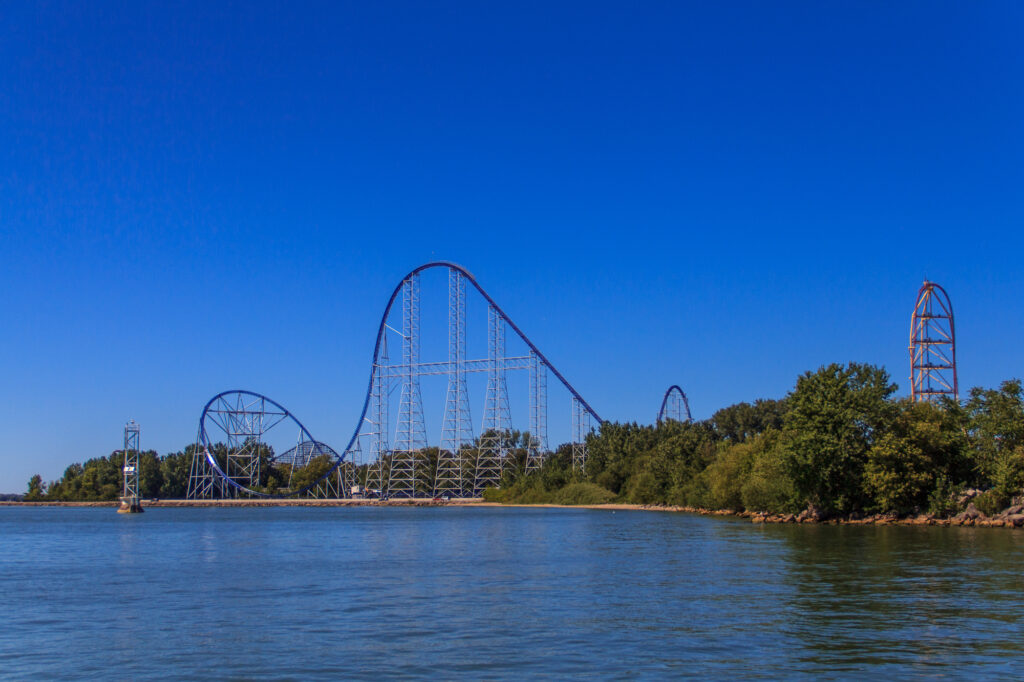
(933, 375)
(674, 405)
(389, 457)
(249, 445)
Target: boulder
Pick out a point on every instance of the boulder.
(1016, 520)
(969, 514)
(968, 495)
(814, 513)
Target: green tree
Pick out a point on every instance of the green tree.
(727, 474)
(310, 473)
(769, 486)
(741, 421)
(833, 419)
(36, 488)
(995, 425)
(923, 446)
(151, 478)
(174, 472)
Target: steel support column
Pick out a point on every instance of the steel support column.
(457, 428)
(377, 422)
(538, 446)
(411, 438)
(580, 430)
(492, 454)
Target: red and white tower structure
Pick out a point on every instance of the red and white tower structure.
(932, 346)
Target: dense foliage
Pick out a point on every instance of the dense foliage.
(101, 479)
(839, 443)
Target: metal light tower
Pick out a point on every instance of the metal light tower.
(932, 346)
(130, 493)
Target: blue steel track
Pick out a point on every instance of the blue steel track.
(376, 356)
(211, 460)
(664, 403)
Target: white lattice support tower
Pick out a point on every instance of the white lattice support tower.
(411, 437)
(299, 460)
(538, 446)
(492, 452)
(347, 473)
(202, 483)
(674, 409)
(244, 418)
(243, 460)
(130, 491)
(457, 428)
(376, 423)
(580, 430)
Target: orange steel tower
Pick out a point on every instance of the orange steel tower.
(932, 346)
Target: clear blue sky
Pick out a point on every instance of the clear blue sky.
(719, 195)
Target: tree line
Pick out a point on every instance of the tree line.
(838, 443)
(101, 478)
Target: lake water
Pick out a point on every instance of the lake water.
(498, 593)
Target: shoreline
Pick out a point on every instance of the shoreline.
(968, 518)
(409, 502)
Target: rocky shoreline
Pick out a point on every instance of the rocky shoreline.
(1012, 517)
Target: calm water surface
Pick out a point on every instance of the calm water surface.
(498, 594)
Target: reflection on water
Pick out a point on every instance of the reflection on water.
(929, 599)
(498, 593)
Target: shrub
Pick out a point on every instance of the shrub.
(898, 475)
(1008, 476)
(500, 495)
(990, 502)
(644, 488)
(583, 493)
(726, 475)
(942, 500)
(768, 486)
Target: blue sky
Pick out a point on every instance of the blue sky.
(719, 195)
